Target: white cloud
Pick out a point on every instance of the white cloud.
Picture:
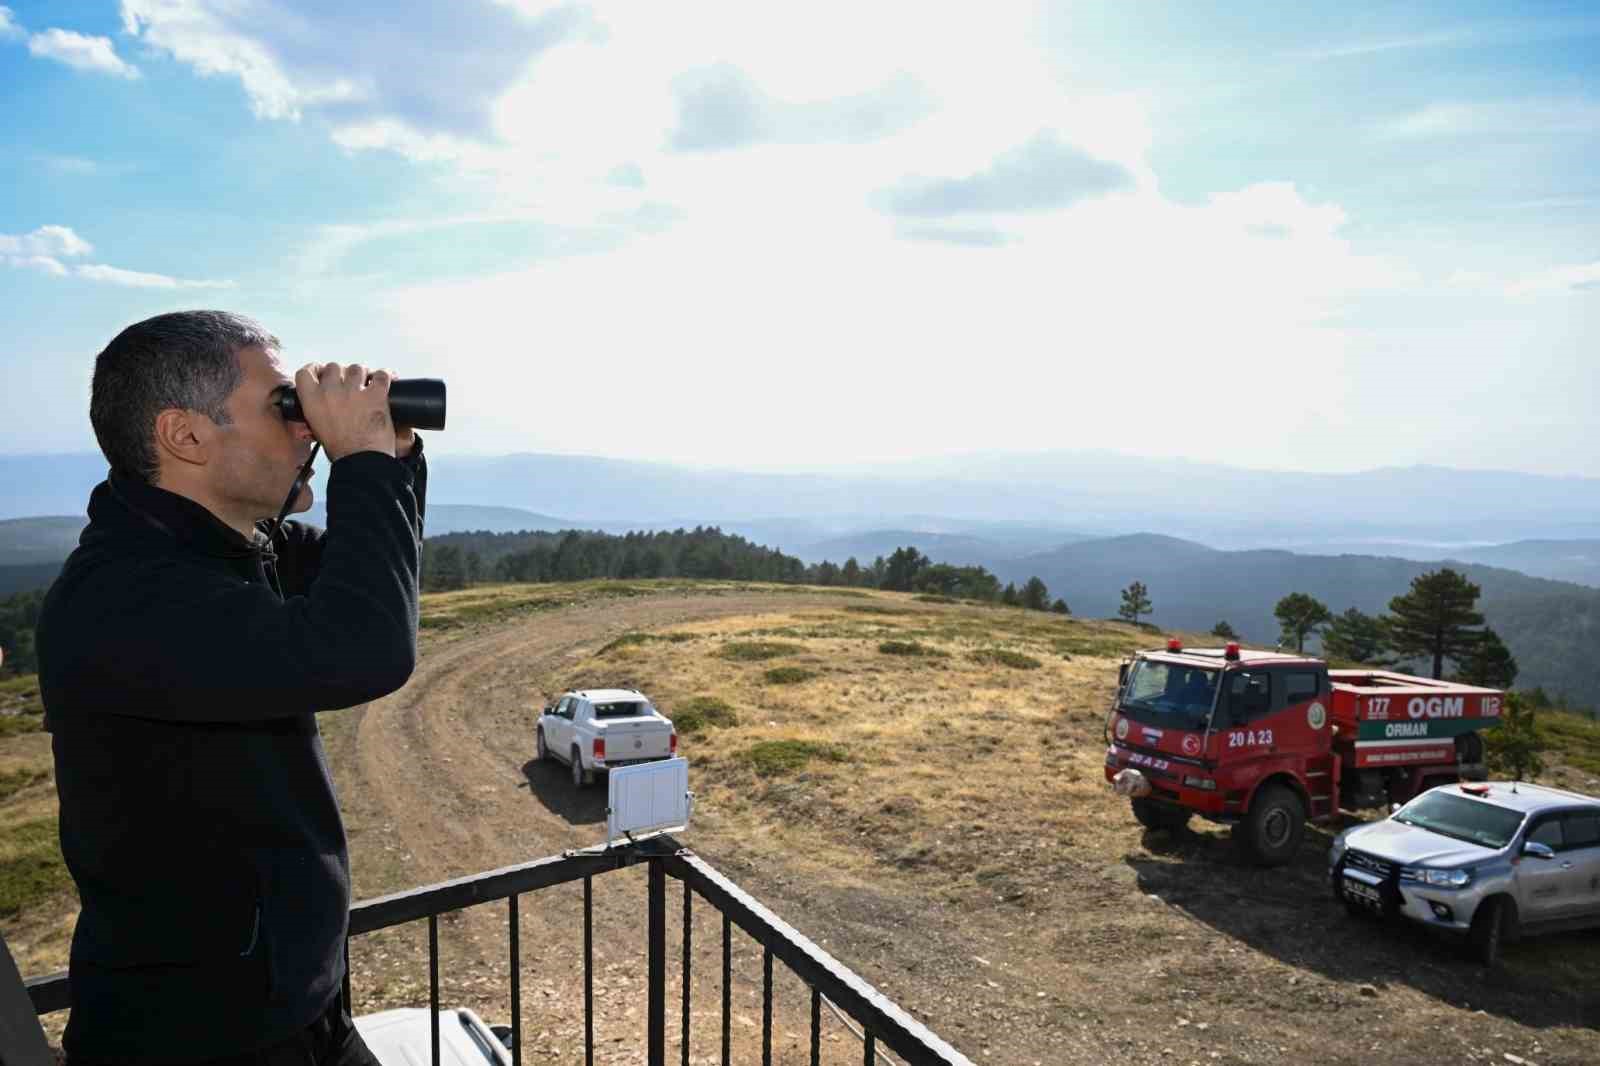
(1102, 299)
(48, 264)
(1546, 117)
(52, 241)
(80, 52)
(1582, 277)
(45, 247)
(9, 30)
(139, 280)
(387, 78)
(1441, 39)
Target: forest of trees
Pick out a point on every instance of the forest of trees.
(457, 560)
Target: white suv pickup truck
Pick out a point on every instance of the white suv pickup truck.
(598, 729)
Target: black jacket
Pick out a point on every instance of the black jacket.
(180, 667)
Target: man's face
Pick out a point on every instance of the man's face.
(260, 454)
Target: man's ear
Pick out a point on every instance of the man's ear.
(183, 436)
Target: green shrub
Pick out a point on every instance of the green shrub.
(911, 647)
(1002, 657)
(628, 640)
(789, 675)
(877, 608)
(31, 866)
(701, 713)
(753, 651)
(774, 757)
(934, 597)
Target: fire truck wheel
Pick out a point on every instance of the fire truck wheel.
(1154, 815)
(1270, 834)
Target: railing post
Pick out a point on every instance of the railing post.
(433, 988)
(688, 940)
(657, 1051)
(516, 980)
(588, 971)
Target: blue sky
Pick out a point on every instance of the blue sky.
(809, 236)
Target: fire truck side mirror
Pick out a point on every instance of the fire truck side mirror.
(1122, 675)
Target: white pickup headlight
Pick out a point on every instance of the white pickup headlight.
(1441, 878)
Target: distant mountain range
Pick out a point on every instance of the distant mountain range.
(1090, 493)
(1357, 539)
(1549, 626)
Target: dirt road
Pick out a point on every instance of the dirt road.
(438, 781)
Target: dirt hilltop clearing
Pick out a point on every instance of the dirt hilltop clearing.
(916, 786)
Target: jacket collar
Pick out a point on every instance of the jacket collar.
(124, 501)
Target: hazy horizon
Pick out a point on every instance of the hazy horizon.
(439, 444)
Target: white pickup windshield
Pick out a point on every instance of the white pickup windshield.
(1459, 818)
(1169, 693)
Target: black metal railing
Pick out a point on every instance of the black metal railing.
(881, 1021)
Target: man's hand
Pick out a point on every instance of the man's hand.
(405, 438)
(347, 408)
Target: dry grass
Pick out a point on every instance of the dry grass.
(20, 709)
(910, 704)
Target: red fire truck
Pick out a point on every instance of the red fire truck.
(1265, 741)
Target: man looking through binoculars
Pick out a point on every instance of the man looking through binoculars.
(184, 651)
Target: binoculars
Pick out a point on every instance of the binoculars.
(414, 402)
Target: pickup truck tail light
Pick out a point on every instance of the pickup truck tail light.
(599, 748)
(672, 744)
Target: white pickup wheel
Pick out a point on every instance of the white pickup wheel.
(580, 776)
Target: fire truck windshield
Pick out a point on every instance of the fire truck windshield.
(1169, 693)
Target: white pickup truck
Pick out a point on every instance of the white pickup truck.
(599, 729)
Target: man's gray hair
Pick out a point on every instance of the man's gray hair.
(186, 359)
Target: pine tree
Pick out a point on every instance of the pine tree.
(1009, 597)
(1513, 747)
(1035, 596)
(1489, 663)
(1357, 637)
(1135, 601)
(902, 568)
(1060, 607)
(1224, 630)
(1436, 618)
(1299, 615)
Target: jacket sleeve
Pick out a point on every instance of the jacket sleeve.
(204, 646)
(299, 544)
